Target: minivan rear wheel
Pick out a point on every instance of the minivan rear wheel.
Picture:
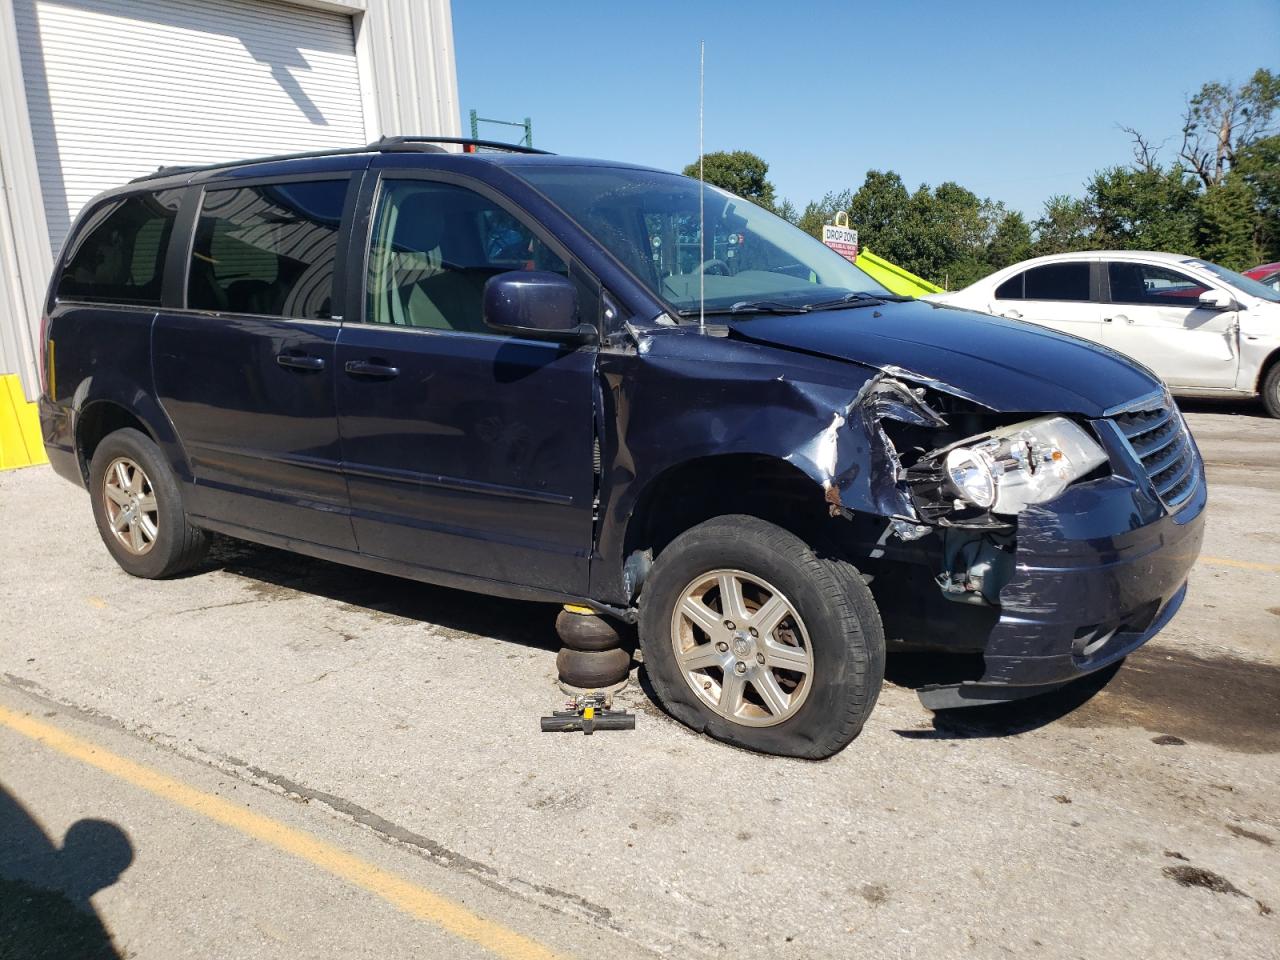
(751, 638)
(137, 505)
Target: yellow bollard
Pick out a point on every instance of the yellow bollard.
(20, 442)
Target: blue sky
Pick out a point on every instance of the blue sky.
(1016, 101)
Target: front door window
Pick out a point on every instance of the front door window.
(433, 247)
(1150, 285)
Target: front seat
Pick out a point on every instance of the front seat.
(430, 286)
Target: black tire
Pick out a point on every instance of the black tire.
(590, 669)
(1271, 390)
(177, 545)
(586, 631)
(839, 614)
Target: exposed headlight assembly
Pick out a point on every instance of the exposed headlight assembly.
(1022, 464)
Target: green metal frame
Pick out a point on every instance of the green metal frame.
(526, 125)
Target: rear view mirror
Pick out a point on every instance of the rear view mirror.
(535, 304)
(1217, 300)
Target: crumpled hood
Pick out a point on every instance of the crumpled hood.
(1007, 365)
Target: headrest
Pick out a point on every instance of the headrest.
(420, 223)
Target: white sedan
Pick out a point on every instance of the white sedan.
(1203, 329)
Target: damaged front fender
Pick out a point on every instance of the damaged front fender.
(680, 397)
(853, 457)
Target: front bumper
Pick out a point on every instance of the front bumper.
(1096, 576)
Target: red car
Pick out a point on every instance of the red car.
(1268, 273)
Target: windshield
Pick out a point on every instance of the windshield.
(1238, 280)
(748, 258)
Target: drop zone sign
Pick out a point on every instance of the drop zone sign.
(842, 240)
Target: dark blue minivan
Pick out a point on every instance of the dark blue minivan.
(558, 380)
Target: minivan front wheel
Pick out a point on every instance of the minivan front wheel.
(137, 505)
(753, 639)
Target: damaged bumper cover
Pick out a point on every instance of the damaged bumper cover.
(1090, 586)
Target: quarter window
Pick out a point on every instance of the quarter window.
(1058, 281)
(1156, 286)
(118, 254)
(433, 247)
(268, 249)
(1011, 289)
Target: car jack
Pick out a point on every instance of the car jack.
(589, 712)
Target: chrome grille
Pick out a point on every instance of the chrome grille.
(1160, 442)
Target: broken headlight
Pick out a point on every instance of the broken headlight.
(1025, 463)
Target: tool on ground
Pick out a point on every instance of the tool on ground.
(588, 712)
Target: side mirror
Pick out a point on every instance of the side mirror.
(535, 304)
(1217, 300)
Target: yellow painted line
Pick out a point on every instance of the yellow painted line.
(413, 900)
(1239, 564)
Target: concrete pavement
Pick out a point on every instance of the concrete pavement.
(399, 721)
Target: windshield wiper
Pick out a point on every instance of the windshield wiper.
(750, 306)
(857, 298)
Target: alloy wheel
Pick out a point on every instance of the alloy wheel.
(742, 647)
(132, 511)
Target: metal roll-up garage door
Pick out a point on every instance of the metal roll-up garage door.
(116, 88)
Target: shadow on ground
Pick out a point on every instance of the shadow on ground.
(1233, 406)
(277, 574)
(1178, 697)
(914, 670)
(1222, 700)
(45, 913)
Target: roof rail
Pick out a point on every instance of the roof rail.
(385, 145)
(388, 144)
(199, 167)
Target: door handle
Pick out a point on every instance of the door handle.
(1013, 314)
(1119, 317)
(372, 369)
(299, 361)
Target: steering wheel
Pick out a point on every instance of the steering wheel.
(714, 267)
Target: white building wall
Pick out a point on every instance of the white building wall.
(405, 50)
(112, 93)
(402, 75)
(25, 258)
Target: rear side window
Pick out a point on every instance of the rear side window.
(1011, 289)
(1149, 284)
(268, 249)
(1058, 281)
(118, 254)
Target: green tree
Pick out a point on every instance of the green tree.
(1152, 209)
(1011, 241)
(787, 211)
(1065, 226)
(1258, 165)
(878, 211)
(941, 233)
(1221, 121)
(819, 212)
(740, 171)
(1225, 226)
(1231, 151)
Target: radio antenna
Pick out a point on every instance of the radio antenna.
(702, 188)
